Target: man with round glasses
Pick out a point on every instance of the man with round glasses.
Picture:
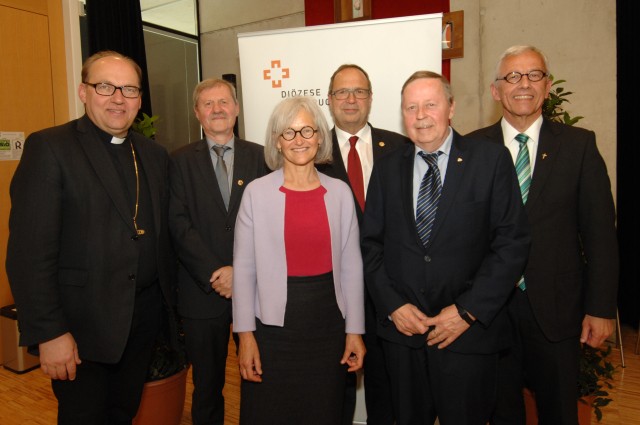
(567, 295)
(356, 146)
(89, 259)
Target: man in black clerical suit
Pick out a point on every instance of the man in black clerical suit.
(444, 239)
(350, 98)
(89, 258)
(208, 178)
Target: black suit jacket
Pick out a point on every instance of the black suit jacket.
(573, 264)
(201, 227)
(72, 256)
(478, 247)
(383, 142)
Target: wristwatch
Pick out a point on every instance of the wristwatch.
(465, 315)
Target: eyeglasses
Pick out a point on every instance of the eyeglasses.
(533, 76)
(343, 94)
(106, 89)
(306, 132)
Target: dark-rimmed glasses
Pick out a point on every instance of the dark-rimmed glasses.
(533, 76)
(106, 89)
(343, 94)
(306, 132)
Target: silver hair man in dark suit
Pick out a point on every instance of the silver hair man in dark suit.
(568, 293)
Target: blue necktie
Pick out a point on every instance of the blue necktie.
(428, 197)
(523, 170)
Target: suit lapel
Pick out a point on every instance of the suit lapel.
(546, 157)
(379, 146)
(105, 171)
(241, 164)
(455, 170)
(203, 159)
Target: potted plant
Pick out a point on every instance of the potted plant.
(595, 370)
(146, 125)
(163, 395)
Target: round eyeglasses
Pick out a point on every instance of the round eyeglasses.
(533, 76)
(106, 89)
(343, 94)
(306, 132)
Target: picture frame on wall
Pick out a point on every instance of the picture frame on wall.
(351, 10)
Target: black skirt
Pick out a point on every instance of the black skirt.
(303, 381)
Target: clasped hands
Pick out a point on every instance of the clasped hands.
(443, 329)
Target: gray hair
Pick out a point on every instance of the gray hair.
(209, 83)
(518, 50)
(281, 118)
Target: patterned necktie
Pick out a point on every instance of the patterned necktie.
(221, 173)
(354, 171)
(523, 170)
(428, 196)
(523, 166)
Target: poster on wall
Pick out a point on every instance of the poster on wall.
(11, 145)
(275, 65)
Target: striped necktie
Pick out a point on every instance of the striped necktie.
(428, 196)
(523, 170)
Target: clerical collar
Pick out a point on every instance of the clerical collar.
(117, 140)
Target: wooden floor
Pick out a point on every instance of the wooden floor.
(27, 399)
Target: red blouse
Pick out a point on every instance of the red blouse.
(307, 237)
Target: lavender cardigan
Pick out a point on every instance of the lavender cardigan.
(259, 262)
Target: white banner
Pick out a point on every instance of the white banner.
(299, 62)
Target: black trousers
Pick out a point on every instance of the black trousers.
(549, 369)
(109, 394)
(207, 342)
(458, 389)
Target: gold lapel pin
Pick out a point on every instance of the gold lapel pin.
(544, 155)
(381, 144)
(240, 182)
(459, 159)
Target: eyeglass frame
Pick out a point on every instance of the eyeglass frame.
(95, 87)
(544, 74)
(296, 132)
(348, 92)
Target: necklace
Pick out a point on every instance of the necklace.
(139, 232)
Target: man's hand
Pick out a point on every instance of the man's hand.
(354, 351)
(595, 330)
(409, 320)
(447, 327)
(249, 357)
(59, 357)
(222, 280)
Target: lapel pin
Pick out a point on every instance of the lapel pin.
(459, 159)
(381, 144)
(544, 155)
(240, 182)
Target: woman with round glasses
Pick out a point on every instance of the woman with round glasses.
(298, 291)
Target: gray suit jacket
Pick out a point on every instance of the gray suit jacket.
(201, 227)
